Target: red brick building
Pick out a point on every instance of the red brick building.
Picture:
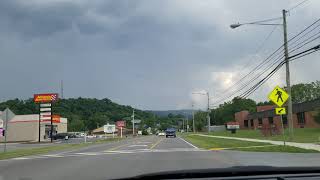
(303, 116)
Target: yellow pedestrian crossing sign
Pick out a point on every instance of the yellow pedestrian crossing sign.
(281, 111)
(278, 96)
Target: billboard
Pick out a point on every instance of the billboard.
(121, 124)
(109, 128)
(45, 98)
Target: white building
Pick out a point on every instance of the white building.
(26, 128)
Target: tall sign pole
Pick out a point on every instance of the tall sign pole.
(45, 110)
(39, 139)
(286, 55)
(193, 126)
(133, 122)
(208, 112)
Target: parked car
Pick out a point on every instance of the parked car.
(60, 136)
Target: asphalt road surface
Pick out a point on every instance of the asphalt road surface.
(138, 156)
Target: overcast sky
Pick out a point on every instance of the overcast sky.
(150, 54)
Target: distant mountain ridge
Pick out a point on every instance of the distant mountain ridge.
(165, 113)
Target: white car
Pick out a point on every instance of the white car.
(161, 134)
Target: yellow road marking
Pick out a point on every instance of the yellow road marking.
(155, 144)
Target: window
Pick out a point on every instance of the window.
(285, 119)
(270, 119)
(246, 124)
(260, 121)
(251, 122)
(301, 118)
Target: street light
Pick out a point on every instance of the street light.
(208, 108)
(286, 54)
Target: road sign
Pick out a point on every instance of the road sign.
(109, 128)
(45, 109)
(278, 96)
(280, 111)
(120, 124)
(45, 105)
(45, 98)
(6, 116)
(233, 125)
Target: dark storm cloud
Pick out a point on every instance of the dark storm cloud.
(147, 54)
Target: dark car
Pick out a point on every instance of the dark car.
(171, 132)
(60, 136)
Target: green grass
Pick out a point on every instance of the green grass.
(303, 135)
(44, 150)
(217, 143)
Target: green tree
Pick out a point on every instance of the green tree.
(305, 92)
(225, 112)
(200, 120)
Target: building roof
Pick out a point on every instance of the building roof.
(296, 108)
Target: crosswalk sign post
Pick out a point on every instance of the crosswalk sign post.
(279, 96)
(281, 111)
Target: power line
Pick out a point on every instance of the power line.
(292, 50)
(299, 4)
(304, 53)
(268, 58)
(250, 81)
(257, 51)
(261, 82)
(263, 63)
(294, 57)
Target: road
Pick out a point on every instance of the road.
(138, 156)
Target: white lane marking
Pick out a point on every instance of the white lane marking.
(52, 155)
(20, 158)
(144, 142)
(88, 154)
(189, 143)
(138, 145)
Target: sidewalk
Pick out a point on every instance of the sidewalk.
(294, 144)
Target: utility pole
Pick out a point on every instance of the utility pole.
(133, 122)
(193, 127)
(286, 55)
(208, 112)
(61, 86)
(187, 120)
(183, 124)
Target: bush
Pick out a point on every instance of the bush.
(144, 132)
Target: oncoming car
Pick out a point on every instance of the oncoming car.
(170, 132)
(161, 134)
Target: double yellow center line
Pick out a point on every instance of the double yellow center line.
(155, 144)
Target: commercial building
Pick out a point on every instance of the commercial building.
(303, 116)
(26, 128)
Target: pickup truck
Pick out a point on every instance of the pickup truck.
(171, 132)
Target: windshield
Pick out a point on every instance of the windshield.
(103, 89)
